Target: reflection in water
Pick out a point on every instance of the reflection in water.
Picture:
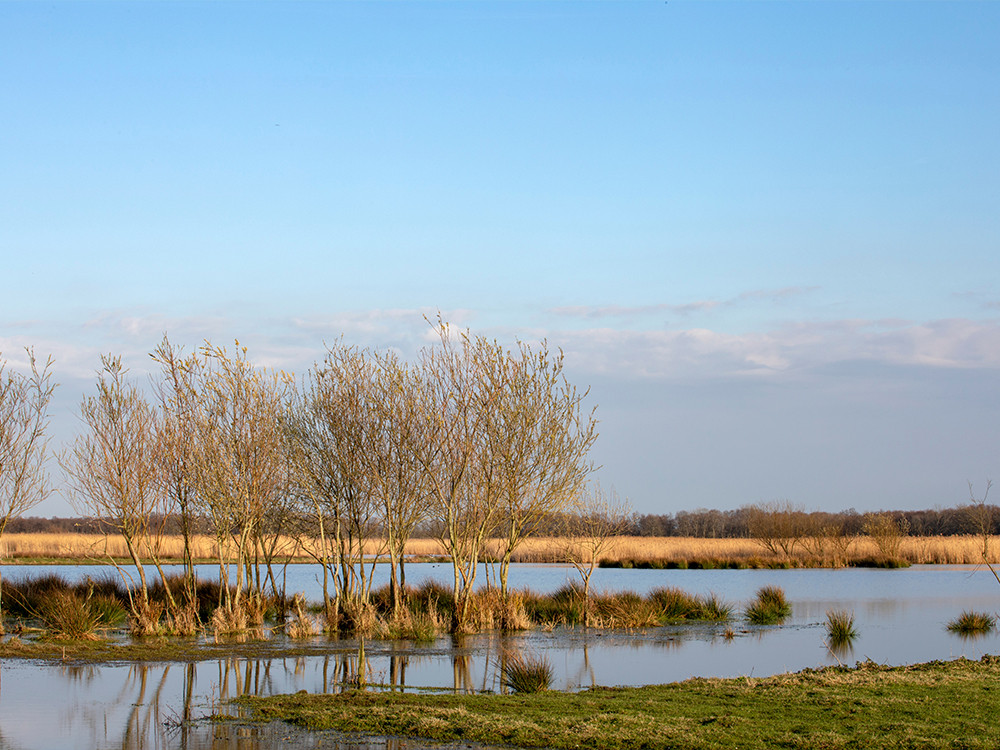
(901, 618)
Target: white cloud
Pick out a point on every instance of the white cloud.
(789, 350)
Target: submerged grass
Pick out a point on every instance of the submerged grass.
(935, 705)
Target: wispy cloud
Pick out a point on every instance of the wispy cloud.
(595, 312)
(618, 311)
(791, 349)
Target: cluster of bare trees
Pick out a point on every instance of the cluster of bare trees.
(477, 439)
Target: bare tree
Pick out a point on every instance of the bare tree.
(599, 516)
(24, 407)
(456, 402)
(397, 481)
(237, 466)
(981, 517)
(111, 466)
(175, 448)
(539, 439)
(778, 526)
(888, 532)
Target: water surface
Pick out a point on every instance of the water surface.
(901, 616)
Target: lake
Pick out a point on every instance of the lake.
(901, 616)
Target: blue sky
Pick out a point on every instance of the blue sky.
(765, 233)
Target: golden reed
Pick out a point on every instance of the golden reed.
(954, 550)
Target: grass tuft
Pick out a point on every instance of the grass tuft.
(973, 623)
(521, 673)
(840, 626)
(769, 607)
(65, 614)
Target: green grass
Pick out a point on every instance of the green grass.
(936, 705)
(973, 623)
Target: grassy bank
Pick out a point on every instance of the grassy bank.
(935, 705)
(625, 551)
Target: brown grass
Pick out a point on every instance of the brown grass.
(955, 550)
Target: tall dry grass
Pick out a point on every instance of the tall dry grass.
(953, 550)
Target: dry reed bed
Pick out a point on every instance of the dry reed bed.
(955, 550)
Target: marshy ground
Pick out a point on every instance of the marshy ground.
(934, 705)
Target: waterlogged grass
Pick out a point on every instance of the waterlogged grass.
(935, 705)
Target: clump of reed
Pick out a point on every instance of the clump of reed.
(300, 624)
(66, 614)
(563, 607)
(524, 673)
(973, 623)
(840, 626)
(434, 597)
(421, 627)
(489, 610)
(623, 609)
(674, 604)
(769, 607)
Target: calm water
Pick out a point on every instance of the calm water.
(900, 614)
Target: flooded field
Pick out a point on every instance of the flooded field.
(901, 617)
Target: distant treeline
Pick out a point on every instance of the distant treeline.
(734, 524)
(701, 523)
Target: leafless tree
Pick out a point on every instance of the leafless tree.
(598, 517)
(175, 448)
(778, 526)
(396, 478)
(887, 531)
(111, 466)
(238, 467)
(981, 517)
(539, 439)
(24, 408)
(456, 403)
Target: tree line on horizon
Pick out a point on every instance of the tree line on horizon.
(702, 523)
